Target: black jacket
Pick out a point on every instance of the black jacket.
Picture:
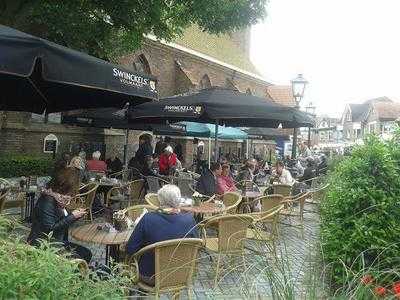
(49, 217)
(309, 173)
(144, 150)
(207, 184)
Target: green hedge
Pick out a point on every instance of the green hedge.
(19, 165)
(45, 273)
(360, 215)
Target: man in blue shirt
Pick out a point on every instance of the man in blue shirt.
(167, 224)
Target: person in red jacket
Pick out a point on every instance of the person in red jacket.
(167, 161)
(95, 164)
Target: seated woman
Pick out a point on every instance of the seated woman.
(153, 227)
(50, 215)
(225, 181)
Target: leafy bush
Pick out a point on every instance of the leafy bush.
(18, 165)
(360, 217)
(32, 273)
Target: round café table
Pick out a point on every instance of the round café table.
(204, 208)
(90, 233)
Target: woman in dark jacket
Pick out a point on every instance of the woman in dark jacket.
(50, 215)
(145, 149)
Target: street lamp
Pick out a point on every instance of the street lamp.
(310, 109)
(298, 87)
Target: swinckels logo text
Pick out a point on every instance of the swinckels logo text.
(133, 79)
(183, 109)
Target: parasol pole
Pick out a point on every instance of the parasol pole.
(216, 140)
(126, 147)
(209, 151)
(126, 138)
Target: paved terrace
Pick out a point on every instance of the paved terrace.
(296, 251)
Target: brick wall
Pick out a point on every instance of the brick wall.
(162, 60)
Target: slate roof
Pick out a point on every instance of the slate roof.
(384, 107)
(358, 111)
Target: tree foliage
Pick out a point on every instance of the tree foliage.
(108, 28)
(361, 213)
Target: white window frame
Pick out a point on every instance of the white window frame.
(50, 138)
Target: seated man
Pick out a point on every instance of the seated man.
(225, 181)
(153, 227)
(281, 175)
(207, 183)
(96, 165)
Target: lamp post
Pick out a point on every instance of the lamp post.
(298, 87)
(310, 109)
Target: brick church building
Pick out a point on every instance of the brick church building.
(194, 61)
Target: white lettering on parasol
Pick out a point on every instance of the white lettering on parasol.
(133, 79)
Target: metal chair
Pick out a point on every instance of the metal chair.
(185, 184)
(298, 199)
(318, 194)
(232, 231)
(8, 201)
(270, 202)
(265, 226)
(133, 212)
(282, 189)
(85, 199)
(152, 200)
(231, 201)
(130, 193)
(175, 262)
(247, 185)
(155, 183)
(5, 187)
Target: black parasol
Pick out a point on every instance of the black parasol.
(37, 75)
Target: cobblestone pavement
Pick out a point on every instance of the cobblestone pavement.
(288, 269)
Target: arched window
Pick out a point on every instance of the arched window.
(141, 65)
(205, 82)
(248, 92)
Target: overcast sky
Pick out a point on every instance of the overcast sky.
(348, 50)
